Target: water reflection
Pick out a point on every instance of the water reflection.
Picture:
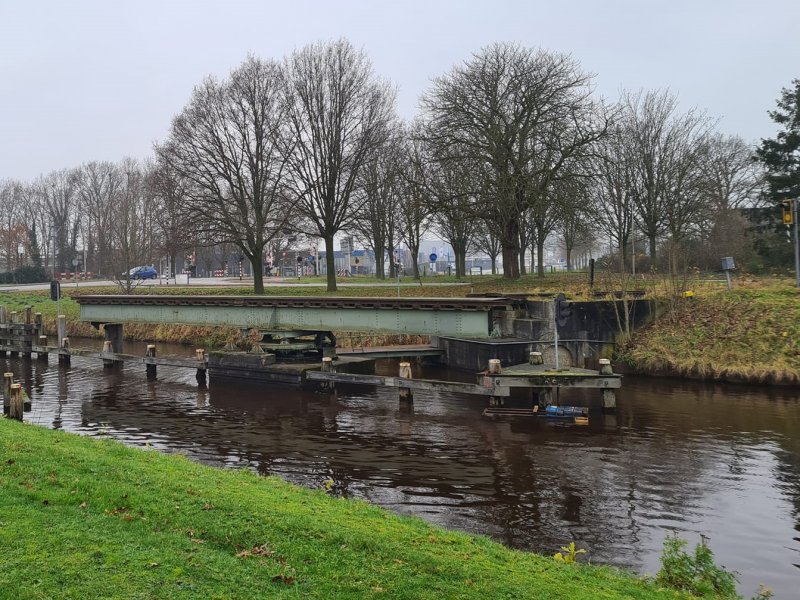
(721, 461)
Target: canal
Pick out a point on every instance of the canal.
(692, 458)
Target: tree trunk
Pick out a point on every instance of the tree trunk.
(380, 271)
(569, 258)
(257, 262)
(493, 257)
(330, 263)
(652, 238)
(509, 242)
(540, 256)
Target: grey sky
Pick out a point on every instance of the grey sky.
(83, 80)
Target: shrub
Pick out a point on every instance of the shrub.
(695, 573)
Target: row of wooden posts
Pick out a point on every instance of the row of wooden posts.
(19, 331)
(13, 398)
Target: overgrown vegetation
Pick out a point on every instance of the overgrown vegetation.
(695, 573)
(85, 518)
(749, 334)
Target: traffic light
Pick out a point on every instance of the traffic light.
(563, 310)
(787, 211)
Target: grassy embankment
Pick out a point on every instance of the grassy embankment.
(750, 334)
(85, 518)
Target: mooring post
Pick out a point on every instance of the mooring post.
(151, 368)
(28, 315)
(495, 369)
(3, 331)
(200, 355)
(327, 367)
(61, 332)
(609, 396)
(535, 358)
(406, 397)
(12, 341)
(38, 323)
(108, 363)
(64, 359)
(8, 380)
(42, 343)
(16, 406)
(112, 332)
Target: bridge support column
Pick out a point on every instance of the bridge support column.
(406, 396)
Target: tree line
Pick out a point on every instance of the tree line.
(511, 150)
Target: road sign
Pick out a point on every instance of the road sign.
(433, 257)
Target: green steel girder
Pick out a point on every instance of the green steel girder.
(418, 321)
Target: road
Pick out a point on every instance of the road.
(201, 282)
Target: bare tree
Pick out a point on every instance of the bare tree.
(99, 186)
(132, 226)
(524, 114)
(225, 145)
(60, 197)
(170, 192)
(486, 239)
(380, 189)
(339, 115)
(663, 159)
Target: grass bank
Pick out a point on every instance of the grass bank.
(87, 518)
(750, 334)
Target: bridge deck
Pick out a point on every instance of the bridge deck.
(471, 317)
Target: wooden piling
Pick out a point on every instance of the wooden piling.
(405, 393)
(112, 332)
(11, 341)
(8, 380)
(200, 355)
(38, 323)
(61, 329)
(327, 367)
(16, 405)
(495, 369)
(108, 363)
(535, 358)
(42, 342)
(64, 359)
(28, 315)
(3, 320)
(151, 353)
(609, 396)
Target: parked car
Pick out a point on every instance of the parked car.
(144, 272)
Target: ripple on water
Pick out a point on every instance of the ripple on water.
(718, 461)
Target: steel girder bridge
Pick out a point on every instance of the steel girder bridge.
(287, 322)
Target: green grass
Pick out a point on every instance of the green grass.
(87, 518)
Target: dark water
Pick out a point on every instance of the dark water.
(721, 461)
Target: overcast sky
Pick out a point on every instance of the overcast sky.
(84, 80)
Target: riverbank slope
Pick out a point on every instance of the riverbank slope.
(748, 335)
(87, 518)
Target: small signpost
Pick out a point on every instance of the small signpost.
(728, 265)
